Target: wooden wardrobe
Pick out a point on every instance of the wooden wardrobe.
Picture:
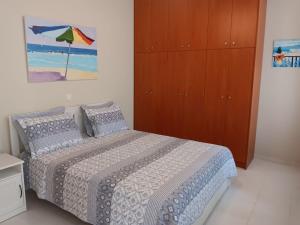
(197, 70)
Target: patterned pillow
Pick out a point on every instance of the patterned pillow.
(51, 112)
(49, 133)
(106, 120)
(86, 121)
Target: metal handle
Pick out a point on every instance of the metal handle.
(222, 97)
(225, 43)
(21, 190)
(229, 97)
(233, 43)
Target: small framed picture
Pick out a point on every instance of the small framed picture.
(286, 53)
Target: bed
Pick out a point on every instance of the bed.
(131, 177)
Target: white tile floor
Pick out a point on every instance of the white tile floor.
(266, 194)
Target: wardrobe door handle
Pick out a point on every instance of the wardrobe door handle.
(149, 92)
(233, 43)
(222, 97)
(21, 191)
(229, 97)
(226, 43)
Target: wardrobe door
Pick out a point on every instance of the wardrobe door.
(173, 95)
(193, 120)
(239, 89)
(142, 25)
(215, 95)
(244, 23)
(178, 32)
(148, 70)
(219, 24)
(159, 25)
(197, 24)
(158, 71)
(188, 21)
(144, 109)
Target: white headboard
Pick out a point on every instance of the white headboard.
(15, 143)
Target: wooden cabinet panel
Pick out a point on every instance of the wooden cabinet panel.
(178, 33)
(198, 24)
(158, 71)
(183, 92)
(219, 24)
(215, 95)
(144, 109)
(244, 23)
(193, 120)
(142, 25)
(239, 89)
(148, 70)
(173, 97)
(159, 25)
(188, 21)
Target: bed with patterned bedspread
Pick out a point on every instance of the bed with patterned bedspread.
(132, 177)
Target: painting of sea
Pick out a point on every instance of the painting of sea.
(60, 51)
(286, 53)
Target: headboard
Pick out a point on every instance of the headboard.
(15, 143)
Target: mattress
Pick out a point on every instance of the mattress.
(132, 177)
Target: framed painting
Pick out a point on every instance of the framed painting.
(286, 53)
(60, 51)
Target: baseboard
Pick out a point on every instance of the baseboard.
(277, 160)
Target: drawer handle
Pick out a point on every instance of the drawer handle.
(21, 190)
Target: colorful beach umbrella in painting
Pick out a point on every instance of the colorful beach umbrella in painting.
(65, 33)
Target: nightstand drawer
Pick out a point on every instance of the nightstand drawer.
(11, 194)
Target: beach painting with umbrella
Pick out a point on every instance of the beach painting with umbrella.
(60, 51)
(286, 53)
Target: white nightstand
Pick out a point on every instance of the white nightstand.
(12, 191)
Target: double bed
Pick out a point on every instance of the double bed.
(131, 177)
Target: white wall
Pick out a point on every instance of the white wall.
(114, 22)
(278, 136)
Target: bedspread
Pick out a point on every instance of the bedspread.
(132, 177)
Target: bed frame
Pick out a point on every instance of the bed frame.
(16, 149)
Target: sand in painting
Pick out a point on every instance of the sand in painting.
(46, 65)
(58, 74)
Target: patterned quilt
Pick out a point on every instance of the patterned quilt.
(132, 177)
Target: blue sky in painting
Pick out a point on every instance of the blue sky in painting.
(42, 40)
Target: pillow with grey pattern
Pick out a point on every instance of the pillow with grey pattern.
(106, 120)
(51, 112)
(49, 133)
(86, 121)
